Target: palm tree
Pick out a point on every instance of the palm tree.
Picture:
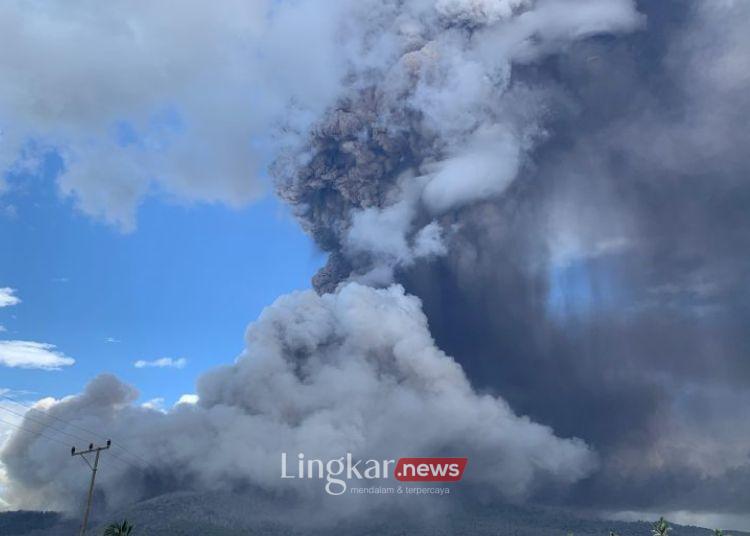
(119, 530)
(661, 528)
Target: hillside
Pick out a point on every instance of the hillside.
(191, 514)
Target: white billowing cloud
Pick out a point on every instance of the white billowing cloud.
(162, 362)
(355, 371)
(188, 398)
(384, 234)
(478, 11)
(192, 103)
(429, 242)
(32, 355)
(144, 98)
(482, 169)
(550, 24)
(8, 297)
(382, 231)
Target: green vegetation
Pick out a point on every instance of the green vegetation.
(661, 528)
(123, 529)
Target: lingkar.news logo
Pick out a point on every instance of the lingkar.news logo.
(337, 472)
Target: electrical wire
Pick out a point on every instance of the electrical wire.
(40, 433)
(115, 443)
(33, 432)
(77, 438)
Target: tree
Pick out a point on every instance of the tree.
(661, 528)
(115, 529)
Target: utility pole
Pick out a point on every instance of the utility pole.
(82, 454)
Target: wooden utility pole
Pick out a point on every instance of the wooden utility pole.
(94, 467)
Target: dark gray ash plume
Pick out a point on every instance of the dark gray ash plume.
(437, 122)
(587, 189)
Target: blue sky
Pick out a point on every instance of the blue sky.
(184, 284)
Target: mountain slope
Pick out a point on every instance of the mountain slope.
(224, 514)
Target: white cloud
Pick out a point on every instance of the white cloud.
(189, 398)
(8, 297)
(143, 96)
(13, 417)
(156, 404)
(2, 329)
(485, 168)
(32, 355)
(163, 362)
(384, 233)
(112, 340)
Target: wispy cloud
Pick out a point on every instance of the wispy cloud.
(164, 362)
(2, 329)
(17, 394)
(8, 297)
(112, 340)
(9, 211)
(32, 355)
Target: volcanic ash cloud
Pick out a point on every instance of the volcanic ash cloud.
(433, 117)
(353, 371)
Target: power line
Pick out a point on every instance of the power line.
(94, 467)
(77, 438)
(124, 462)
(40, 433)
(148, 464)
(34, 432)
(47, 425)
(94, 434)
(47, 414)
